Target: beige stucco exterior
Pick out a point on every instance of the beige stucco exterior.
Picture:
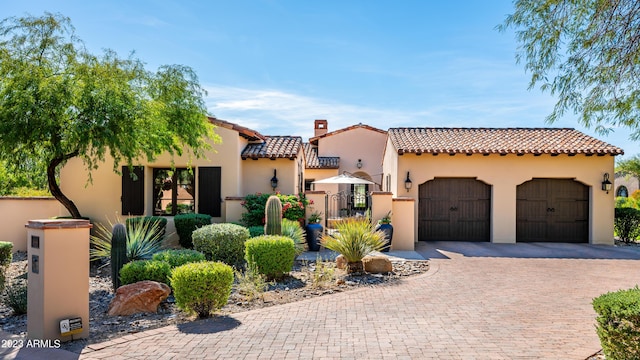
(353, 144)
(258, 174)
(504, 174)
(100, 199)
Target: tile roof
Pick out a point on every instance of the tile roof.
(273, 147)
(314, 140)
(319, 162)
(498, 141)
(246, 133)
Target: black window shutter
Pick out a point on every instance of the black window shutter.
(209, 194)
(132, 191)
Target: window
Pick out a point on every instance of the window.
(173, 191)
(622, 191)
(132, 190)
(308, 184)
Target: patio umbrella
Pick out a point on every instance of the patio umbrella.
(343, 179)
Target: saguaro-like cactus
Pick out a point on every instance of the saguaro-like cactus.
(273, 216)
(118, 253)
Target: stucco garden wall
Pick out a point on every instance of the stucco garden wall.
(504, 174)
(17, 211)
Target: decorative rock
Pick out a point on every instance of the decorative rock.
(377, 264)
(143, 296)
(341, 262)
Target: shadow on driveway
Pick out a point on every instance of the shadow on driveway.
(209, 326)
(448, 249)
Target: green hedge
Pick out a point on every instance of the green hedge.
(627, 224)
(186, 224)
(619, 323)
(145, 270)
(179, 257)
(257, 230)
(272, 255)
(222, 242)
(202, 287)
(162, 223)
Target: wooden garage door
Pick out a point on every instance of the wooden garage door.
(552, 210)
(454, 209)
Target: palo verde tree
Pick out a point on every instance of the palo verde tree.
(587, 54)
(58, 101)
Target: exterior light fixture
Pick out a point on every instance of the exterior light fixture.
(408, 183)
(274, 180)
(606, 184)
(359, 164)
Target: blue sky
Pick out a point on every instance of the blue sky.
(275, 66)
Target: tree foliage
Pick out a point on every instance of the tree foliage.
(629, 167)
(585, 52)
(58, 101)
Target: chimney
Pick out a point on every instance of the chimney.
(320, 127)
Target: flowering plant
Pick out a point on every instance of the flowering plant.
(293, 208)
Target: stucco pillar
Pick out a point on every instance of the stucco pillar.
(317, 200)
(58, 286)
(380, 205)
(503, 212)
(402, 219)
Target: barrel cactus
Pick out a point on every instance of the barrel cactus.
(273, 216)
(118, 253)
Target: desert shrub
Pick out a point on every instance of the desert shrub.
(257, 230)
(355, 238)
(179, 257)
(186, 224)
(160, 228)
(272, 255)
(6, 254)
(144, 238)
(294, 231)
(145, 270)
(250, 283)
(15, 297)
(618, 323)
(626, 202)
(322, 274)
(627, 224)
(202, 287)
(222, 242)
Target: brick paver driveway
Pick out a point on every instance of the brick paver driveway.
(479, 301)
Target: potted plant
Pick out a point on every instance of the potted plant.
(314, 231)
(385, 226)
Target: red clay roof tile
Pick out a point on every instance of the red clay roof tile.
(498, 141)
(319, 162)
(274, 147)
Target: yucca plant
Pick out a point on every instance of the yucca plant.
(355, 238)
(143, 240)
(294, 231)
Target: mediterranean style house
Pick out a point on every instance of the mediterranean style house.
(501, 185)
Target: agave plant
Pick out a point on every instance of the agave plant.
(355, 238)
(293, 230)
(144, 239)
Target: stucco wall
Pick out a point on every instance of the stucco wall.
(351, 145)
(16, 212)
(100, 200)
(504, 174)
(258, 174)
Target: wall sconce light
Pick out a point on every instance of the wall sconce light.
(359, 164)
(274, 180)
(606, 184)
(408, 183)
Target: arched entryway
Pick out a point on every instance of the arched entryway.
(454, 209)
(552, 210)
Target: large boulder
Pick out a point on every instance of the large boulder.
(378, 264)
(143, 296)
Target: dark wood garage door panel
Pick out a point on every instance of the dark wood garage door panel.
(454, 209)
(552, 210)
